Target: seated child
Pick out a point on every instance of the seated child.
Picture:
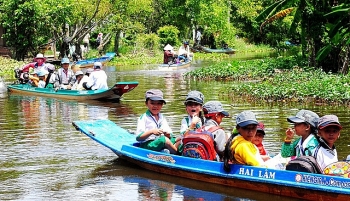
(42, 78)
(305, 126)
(194, 119)
(153, 131)
(328, 131)
(257, 140)
(243, 151)
(214, 113)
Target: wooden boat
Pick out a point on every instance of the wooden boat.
(89, 63)
(170, 67)
(305, 186)
(222, 50)
(113, 93)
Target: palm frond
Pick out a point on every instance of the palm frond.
(278, 15)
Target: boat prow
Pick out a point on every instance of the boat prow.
(177, 66)
(305, 186)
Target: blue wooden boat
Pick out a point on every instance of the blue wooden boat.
(176, 66)
(305, 186)
(113, 93)
(89, 63)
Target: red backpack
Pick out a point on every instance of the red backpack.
(200, 143)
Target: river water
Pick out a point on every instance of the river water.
(44, 158)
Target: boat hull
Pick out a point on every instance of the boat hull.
(299, 185)
(89, 63)
(112, 93)
(171, 67)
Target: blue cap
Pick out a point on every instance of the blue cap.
(214, 107)
(305, 116)
(246, 118)
(65, 60)
(195, 96)
(155, 95)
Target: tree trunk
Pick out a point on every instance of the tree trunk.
(116, 42)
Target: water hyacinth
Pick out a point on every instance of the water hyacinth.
(279, 79)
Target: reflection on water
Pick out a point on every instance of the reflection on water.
(44, 158)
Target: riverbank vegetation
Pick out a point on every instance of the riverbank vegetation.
(279, 79)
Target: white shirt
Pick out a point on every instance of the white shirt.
(147, 122)
(184, 50)
(65, 77)
(186, 122)
(41, 84)
(325, 155)
(97, 80)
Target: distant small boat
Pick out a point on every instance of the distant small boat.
(209, 50)
(222, 50)
(89, 63)
(176, 66)
(113, 93)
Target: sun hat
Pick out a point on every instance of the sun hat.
(89, 70)
(168, 47)
(245, 118)
(328, 120)
(97, 65)
(305, 116)
(155, 95)
(261, 127)
(39, 56)
(211, 107)
(65, 60)
(195, 96)
(79, 72)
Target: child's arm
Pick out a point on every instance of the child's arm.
(146, 134)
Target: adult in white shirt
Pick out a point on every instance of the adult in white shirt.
(97, 79)
(184, 52)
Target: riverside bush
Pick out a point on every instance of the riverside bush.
(279, 79)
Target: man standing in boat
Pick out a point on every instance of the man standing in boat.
(97, 79)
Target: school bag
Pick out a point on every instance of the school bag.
(304, 164)
(200, 143)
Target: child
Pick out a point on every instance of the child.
(257, 140)
(214, 113)
(305, 124)
(328, 131)
(194, 120)
(153, 131)
(42, 80)
(243, 151)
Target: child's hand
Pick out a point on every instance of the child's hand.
(157, 131)
(289, 133)
(195, 120)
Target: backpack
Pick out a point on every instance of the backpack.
(304, 164)
(200, 144)
(228, 157)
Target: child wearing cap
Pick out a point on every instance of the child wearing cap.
(42, 78)
(305, 126)
(258, 139)
(78, 84)
(214, 113)
(194, 119)
(329, 132)
(153, 131)
(241, 148)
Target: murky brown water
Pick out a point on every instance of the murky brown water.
(44, 158)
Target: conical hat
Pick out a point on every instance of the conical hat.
(168, 47)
